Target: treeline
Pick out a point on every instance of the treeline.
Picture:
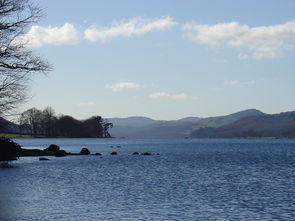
(210, 132)
(45, 123)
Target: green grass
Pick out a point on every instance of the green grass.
(15, 136)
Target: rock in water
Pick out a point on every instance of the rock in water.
(52, 148)
(43, 158)
(146, 153)
(60, 153)
(84, 151)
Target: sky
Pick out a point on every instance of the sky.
(165, 59)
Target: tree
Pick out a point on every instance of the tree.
(106, 125)
(93, 126)
(48, 120)
(68, 126)
(17, 62)
(36, 122)
(32, 120)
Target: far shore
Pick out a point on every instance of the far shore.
(11, 136)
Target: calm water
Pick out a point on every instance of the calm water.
(189, 180)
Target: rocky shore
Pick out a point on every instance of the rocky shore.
(54, 150)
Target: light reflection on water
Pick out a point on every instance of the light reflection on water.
(189, 180)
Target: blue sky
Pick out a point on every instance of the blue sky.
(165, 59)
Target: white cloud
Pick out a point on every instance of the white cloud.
(38, 36)
(122, 85)
(132, 27)
(167, 95)
(239, 83)
(259, 42)
(87, 104)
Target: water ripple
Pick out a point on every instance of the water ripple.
(189, 180)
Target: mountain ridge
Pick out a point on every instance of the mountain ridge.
(246, 123)
(127, 127)
(267, 125)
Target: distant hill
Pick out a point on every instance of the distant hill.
(224, 120)
(265, 125)
(190, 119)
(247, 123)
(142, 127)
(8, 127)
(159, 129)
(131, 121)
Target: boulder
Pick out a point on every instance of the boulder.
(52, 148)
(84, 151)
(135, 153)
(9, 150)
(114, 153)
(60, 153)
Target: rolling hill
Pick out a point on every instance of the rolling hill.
(142, 127)
(266, 125)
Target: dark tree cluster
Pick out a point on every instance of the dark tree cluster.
(45, 123)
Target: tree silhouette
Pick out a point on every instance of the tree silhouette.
(17, 62)
(106, 125)
(31, 119)
(46, 123)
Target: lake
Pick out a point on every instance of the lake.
(190, 179)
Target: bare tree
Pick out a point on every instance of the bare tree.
(32, 119)
(17, 62)
(48, 121)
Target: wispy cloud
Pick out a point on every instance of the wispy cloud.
(122, 85)
(87, 104)
(160, 95)
(239, 83)
(38, 36)
(127, 28)
(259, 42)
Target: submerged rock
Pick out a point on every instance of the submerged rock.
(5, 165)
(43, 158)
(35, 152)
(114, 153)
(135, 153)
(146, 153)
(98, 154)
(84, 151)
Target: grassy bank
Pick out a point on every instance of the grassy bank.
(15, 136)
